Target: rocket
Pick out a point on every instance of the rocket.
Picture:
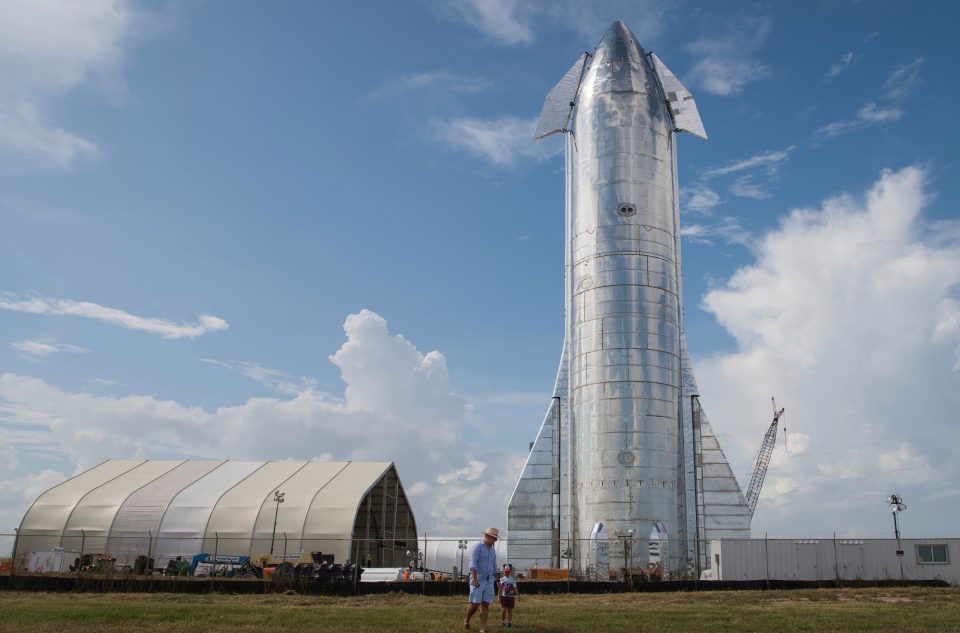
(624, 450)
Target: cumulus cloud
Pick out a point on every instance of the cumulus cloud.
(397, 405)
(47, 49)
(35, 304)
(728, 62)
(840, 317)
(504, 141)
(36, 349)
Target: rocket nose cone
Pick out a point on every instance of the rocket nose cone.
(619, 45)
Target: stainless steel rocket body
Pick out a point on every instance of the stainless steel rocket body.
(624, 442)
(624, 317)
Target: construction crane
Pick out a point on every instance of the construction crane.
(763, 458)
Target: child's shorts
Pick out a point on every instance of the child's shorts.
(507, 602)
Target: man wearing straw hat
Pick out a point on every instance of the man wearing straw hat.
(483, 576)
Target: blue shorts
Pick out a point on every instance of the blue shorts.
(483, 593)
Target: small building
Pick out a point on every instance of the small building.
(291, 510)
(838, 558)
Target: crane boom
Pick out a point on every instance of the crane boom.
(763, 459)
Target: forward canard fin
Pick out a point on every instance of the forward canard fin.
(558, 106)
(683, 107)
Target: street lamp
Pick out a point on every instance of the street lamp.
(278, 498)
(897, 505)
(462, 546)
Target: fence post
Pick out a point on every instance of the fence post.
(216, 549)
(836, 559)
(83, 543)
(766, 556)
(423, 570)
(13, 559)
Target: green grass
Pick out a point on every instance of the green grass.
(847, 610)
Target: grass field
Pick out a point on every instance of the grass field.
(846, 610)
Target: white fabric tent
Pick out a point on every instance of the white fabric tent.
(163, 509)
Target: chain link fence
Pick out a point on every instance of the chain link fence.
(444, 558)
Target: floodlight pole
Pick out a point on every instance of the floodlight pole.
(462, 546)
(278, 498)
(897, 505)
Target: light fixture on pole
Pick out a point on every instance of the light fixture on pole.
(896, 506)
(278, 498)
(462, 546)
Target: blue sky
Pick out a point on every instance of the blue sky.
(312, 230)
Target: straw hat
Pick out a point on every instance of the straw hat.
(494, 532)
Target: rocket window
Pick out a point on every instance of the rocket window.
(627, 210)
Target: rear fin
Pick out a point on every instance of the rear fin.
(683, 108)
(535, 509)
(558, 106)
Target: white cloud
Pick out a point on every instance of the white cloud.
(515, 22)
(433, 82)
(869, 115)
(904, 80)
(47, 49)
(699, 198)
(728, 63)
(105, 382)
(470, 472)
(769, 162)
(25, 133)
(36, 349)
(275, 379)
(504, 141)
(17, 493)
(845, 62)
(505, 21)
(8, 458)
(726, 229)
(747, 187)
(35, 304)
(754, 180)
(840, 318)
(397, 405)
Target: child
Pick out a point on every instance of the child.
(508, 595)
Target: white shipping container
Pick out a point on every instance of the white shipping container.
(835, 559)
